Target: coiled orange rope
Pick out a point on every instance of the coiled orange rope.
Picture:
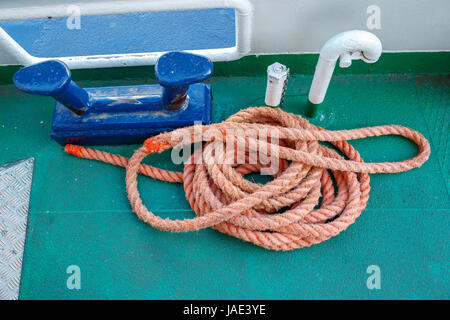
(300, 207)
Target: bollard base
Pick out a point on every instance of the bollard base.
(122, 121)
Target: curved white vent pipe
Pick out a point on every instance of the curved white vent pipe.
(347, 46)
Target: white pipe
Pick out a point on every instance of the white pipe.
(346, 46)
(96, 8)
(14, 51)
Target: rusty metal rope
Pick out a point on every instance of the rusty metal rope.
(317, 192)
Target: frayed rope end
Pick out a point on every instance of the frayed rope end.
(73, 150)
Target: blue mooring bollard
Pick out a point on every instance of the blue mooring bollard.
(123, 114)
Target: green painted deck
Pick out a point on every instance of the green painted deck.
(79, 213)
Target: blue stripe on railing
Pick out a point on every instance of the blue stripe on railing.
(126, 33)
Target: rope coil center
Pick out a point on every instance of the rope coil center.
(316, 191)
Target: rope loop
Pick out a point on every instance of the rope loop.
(316, 191)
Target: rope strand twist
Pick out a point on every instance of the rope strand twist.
(316, 193)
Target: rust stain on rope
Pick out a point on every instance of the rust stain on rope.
(224, 200)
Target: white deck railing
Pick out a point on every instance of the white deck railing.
(243, 18)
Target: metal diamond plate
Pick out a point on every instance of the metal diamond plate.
(15, 187)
